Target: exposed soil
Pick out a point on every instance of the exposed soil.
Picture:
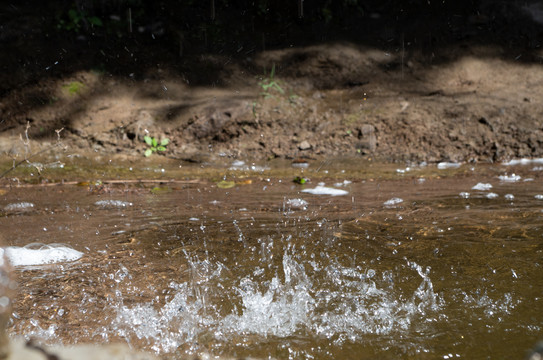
(466, 102)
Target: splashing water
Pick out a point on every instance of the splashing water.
(287, 274)
(334, 302)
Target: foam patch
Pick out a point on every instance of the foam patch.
(40, 254)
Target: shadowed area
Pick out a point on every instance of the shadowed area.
(395, 80)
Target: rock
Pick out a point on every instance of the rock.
(219, 122)
(209, 126)
(368, 140)
(143, 121)
(304, 145)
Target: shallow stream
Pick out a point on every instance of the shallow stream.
(415, 264)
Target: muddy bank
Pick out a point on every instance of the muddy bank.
(468, 103)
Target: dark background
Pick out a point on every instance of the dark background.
(50, 38)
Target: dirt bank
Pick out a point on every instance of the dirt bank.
(467, 103)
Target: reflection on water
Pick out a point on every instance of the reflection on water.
(266, 270)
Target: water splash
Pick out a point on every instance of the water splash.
(278, 310)
(335, 302)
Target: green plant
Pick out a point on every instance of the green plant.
(75, 19)
(268, 84)
(74, 87)
(155, 145)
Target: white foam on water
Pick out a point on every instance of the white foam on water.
(344, 183)
(112, 203)
(492, 195)
(539, 197)
(324, 190)
(297, 203)
(509, 196)
(40, 254)
(482, 187)
(464, 194)
(21, 206)
(393, 201)
(240, 165)
(509, 178)
(523, 162)
(448, 165)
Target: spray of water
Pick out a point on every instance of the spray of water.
(335, 302)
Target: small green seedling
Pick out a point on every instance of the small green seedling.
(300, 180)
(75, 20)
(269, 84)
(154, 145)
(74, 88)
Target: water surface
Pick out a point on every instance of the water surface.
(264, 269)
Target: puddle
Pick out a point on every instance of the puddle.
(264, 269)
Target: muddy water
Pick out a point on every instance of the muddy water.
(254, 271)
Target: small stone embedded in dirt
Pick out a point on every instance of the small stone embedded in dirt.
(208, 126)
(304, 145)
(143, 121)
(318, 95)
(368, 140)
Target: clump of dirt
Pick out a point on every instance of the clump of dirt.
(470, 103)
